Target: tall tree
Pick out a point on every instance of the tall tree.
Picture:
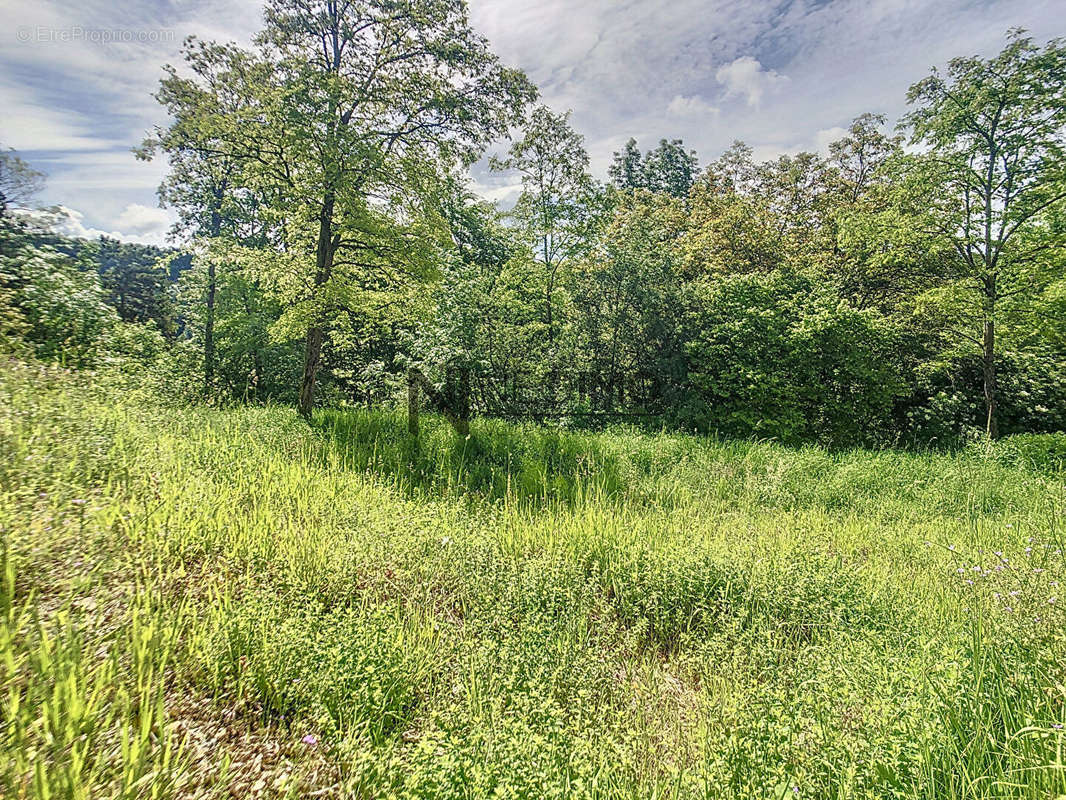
(627, 169)
(204, 183)
(668, 169)
(994, 170)
(19, 182)
(558, 200)
(339, 109)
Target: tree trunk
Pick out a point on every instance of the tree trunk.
(316, 334)
(989, 363)
(209, 329)
(412, 402)
(312, 360)
(209, 323)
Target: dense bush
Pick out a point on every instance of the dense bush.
(772, 355)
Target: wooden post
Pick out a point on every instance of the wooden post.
(419, 381)
(412, 401)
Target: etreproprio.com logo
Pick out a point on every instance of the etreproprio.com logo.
(76, 33)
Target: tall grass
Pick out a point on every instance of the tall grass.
(198, 601)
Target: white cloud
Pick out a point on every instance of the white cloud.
(29, 124)
(746, 77)
(638, 68)
(682, 106)
(826, 136)
(136, 223)
(141, 220)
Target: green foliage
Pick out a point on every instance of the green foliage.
(55, 306)
(137, 280)
(668, 169)
(774, 356)
(627, 299)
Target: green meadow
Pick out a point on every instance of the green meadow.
(205, 602)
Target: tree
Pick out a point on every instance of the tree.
(340, 111)
(628, 307)
(880, 257)
(558, 204)
(19, 182)
(204, 184)
(627, 169)
(993, 172)
(53, 304)
(668, 169)
(731, 227)
(136, 279)
(778, 355)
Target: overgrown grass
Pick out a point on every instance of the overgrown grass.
(198, 601)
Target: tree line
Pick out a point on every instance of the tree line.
(905, 286)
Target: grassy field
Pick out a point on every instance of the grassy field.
(216, 603)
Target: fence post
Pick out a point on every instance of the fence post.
(412, 402)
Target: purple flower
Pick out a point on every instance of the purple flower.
(310, 739)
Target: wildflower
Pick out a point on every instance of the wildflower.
(1057, 726)
(951, 547)
(969, 582)
(960, 570)
(445, 540)
(78, 502)
(310, 740)
(1051, 600)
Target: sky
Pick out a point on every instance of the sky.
(77, 77)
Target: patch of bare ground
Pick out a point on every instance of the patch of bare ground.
(229, 754)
